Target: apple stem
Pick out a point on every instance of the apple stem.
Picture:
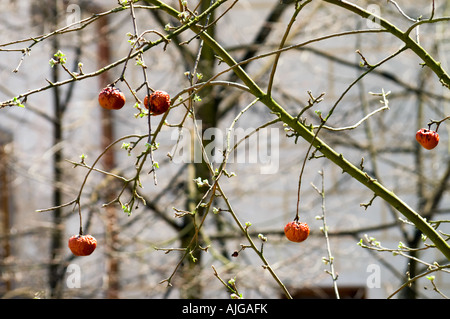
(81, 222)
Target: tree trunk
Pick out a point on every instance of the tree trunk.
(109, 163)
(55, 269)
(5, 205)
(206, 114)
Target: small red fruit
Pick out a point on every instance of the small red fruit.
(427, 138)
(158, 103)
(296, 232)
(111, 98)
(82, 245)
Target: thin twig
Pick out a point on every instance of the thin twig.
(298, 8)
(329, 259)
(352, 127)
(411, 280)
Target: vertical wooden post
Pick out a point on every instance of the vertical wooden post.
(5, 205)
(108, 161)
